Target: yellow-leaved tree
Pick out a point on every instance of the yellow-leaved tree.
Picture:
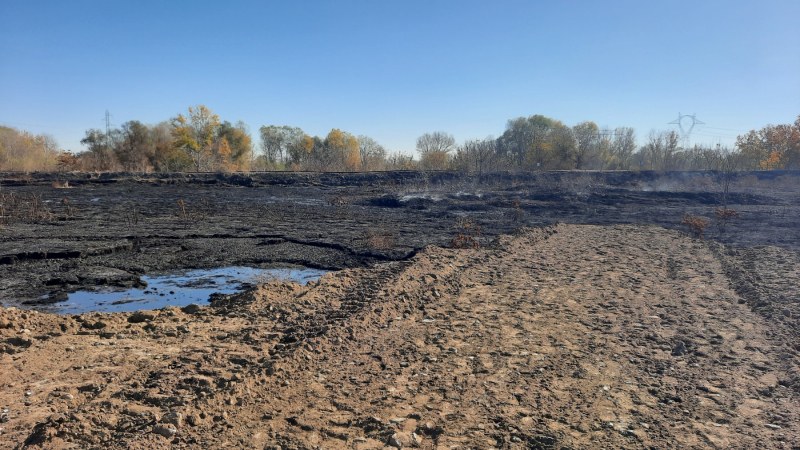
(342, 150)
(772, 147)
(22, 150)
(195, 135)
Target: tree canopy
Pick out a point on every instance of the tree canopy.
(199, 140)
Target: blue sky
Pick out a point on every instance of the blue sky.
(396, 69)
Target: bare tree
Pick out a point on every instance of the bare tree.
(373, 155)
(622, 147)
(276, 141)
(434, 149)
(587, 145)
(477, 155)
(660, 151)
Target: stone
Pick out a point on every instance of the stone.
(194, 420)
(394, 441)
(141, 316)
(174, 418)
(192, 308)
(166, 430)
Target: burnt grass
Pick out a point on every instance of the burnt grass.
(95, 230)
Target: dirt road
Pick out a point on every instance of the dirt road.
(573, 336)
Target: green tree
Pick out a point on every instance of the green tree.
(167, 157)
(100, 154)
(301, 150)
(133, 147)
(276, 141)
(239, 149)
(195, 134)
(588, 145)
(771, 147)
(537, 142)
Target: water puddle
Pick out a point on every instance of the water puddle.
(179, 289)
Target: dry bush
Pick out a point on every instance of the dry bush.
(467, 234)
(23, 208)
(201, 210)
(697, 225)
(182, 213)
(131, 215)
(380, 240)
(338, 201)
(68, 208)
(518, 213)
(725, 214)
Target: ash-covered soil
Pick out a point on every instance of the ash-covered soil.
(68, 232)
(570, 336)
(606, 326)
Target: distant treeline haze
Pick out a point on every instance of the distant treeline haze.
(199, 141)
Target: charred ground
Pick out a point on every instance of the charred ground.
(622, 333)
(79, 231)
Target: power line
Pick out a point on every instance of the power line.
(693, 122)
(19, 124)
(726, 129)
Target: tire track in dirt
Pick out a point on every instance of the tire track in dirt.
(563, 337)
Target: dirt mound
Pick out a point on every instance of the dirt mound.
(563, 337)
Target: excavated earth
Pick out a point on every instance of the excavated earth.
(624, 333)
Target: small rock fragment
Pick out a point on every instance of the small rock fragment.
(679, 349)
(192, 308)
(395, 442)
(141, 316)
(166, 430)
(174, 418)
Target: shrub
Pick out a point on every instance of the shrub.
(23, 208)
(380, 240)
(725, 214)
(467, 234)
(697, 225)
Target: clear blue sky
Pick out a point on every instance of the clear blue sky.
(396, 69)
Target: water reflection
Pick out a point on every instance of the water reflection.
(179, 289)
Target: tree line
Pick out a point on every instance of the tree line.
(199, 140)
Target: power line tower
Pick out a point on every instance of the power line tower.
(686, 123)
(606, 134)
(108, 129)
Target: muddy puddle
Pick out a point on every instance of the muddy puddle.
(178, 289)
